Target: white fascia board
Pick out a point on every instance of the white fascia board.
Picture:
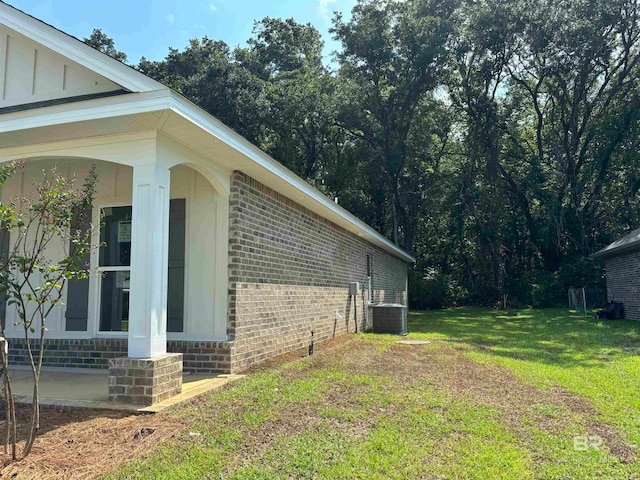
(215, 127)
(76, 50)
(127, 104)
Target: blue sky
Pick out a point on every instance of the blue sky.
(149, 27)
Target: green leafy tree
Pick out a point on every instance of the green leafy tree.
(391, 63)
(299, 121)
(102, 42)
(32, 281)
(497, 140)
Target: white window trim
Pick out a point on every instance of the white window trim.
(95, 284)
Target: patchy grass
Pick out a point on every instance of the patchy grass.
(599, 360)
(494, 395)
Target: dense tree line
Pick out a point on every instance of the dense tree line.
(496, 140)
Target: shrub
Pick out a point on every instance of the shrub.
(430, 291)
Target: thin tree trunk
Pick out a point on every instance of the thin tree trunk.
(394, 209)
(35, 412)
(10, 421)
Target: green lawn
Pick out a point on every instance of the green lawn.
(494, 395)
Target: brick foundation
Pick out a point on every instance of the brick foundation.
(203, 357)
(145, 381)
(200, 357)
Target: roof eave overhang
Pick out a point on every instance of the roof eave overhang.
(326, 208)
(167, 100)
(129, 104)
(614, 252)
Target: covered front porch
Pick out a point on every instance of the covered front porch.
(156, 297)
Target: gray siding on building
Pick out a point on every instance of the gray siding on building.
(623, 282)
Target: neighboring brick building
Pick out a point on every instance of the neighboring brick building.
(622, 265)
(210, 248)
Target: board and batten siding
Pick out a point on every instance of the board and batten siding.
(623, 282)
(30, 73)
(289, 274)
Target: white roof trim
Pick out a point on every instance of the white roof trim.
(215, 127)
(76, 50)
(85, 110)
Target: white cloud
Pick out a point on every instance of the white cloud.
(212, 7)
(324, 8)
(171, 18)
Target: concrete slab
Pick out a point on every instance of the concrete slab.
(63, 386)
(72, 389)
(414, 342)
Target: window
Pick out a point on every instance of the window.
(369, 279)
(115, 268)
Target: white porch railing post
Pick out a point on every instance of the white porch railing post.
(149, 257)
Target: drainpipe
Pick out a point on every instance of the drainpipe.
(355, 310)
(354, 289)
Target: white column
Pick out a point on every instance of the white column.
(149, 260)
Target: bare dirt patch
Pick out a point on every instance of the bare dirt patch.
(83, 443)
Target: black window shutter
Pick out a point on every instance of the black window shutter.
(175, 284)
(78, 290)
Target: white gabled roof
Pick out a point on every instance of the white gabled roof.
(151, 96)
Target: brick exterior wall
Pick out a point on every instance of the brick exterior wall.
(289, 274)
(623, 282)
(201, 357)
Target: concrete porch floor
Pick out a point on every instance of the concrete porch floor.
(78, 388)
